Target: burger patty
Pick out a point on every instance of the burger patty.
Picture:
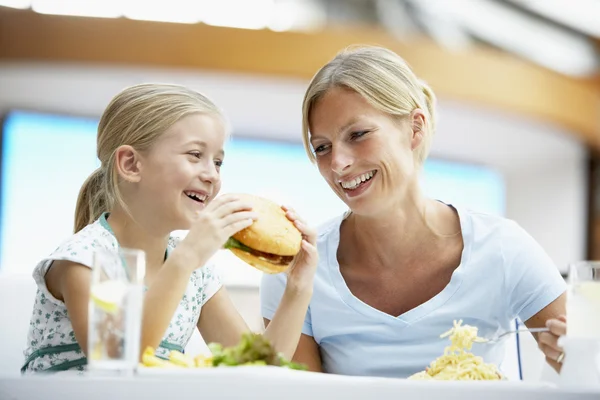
(272, 258)
(269, 257)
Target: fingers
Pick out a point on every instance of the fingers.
(239, 216)
(312, 255)
(310, 234)
(554, 364)
(550, 352)
(308, 257)
(231, 206)
(558, 327)
(291, 214)
(548, 341)
(237, 226)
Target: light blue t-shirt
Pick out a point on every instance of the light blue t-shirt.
(503, 274)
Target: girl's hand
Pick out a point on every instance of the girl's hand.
(222, 218)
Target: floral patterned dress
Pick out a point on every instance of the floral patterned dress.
(51, 343)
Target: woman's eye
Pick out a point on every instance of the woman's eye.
(320, 149)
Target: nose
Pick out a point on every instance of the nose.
(341, 159)
(210, 173)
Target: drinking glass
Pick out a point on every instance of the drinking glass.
(115, 309)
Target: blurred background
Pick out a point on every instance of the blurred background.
(517, 82)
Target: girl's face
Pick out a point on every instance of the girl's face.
(180, 174)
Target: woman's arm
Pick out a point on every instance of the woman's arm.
(220, 321)
(535, 290)
(307, 352)
(552, 316)
(286, 327)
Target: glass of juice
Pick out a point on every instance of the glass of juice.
(583, 300)
(115, 309)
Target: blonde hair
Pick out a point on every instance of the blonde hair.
(380, 76)
(137, 117)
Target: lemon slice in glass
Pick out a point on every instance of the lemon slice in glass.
(108, 295)
(589, 290)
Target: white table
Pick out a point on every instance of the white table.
(268, 383)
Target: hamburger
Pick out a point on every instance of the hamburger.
(271, 242)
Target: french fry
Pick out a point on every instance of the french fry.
(202, 361)
(150, 360)
(181, 359)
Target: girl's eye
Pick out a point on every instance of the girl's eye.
(219, 163)
(196, 154)
(359, 134)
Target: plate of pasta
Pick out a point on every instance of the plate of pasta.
(458, 363)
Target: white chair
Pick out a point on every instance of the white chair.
(17, 294)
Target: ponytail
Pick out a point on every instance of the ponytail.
(138, 116)
(91, 202)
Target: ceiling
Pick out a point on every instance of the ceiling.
(560, 35)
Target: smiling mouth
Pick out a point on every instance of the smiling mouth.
(358, 181)
(200, 198)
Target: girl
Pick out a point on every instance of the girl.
(161, 150)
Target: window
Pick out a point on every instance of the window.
(46, 158)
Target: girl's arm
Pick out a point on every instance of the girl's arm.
(70, 282)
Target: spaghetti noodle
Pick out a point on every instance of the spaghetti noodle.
(457, 363)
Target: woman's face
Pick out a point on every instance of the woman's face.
(366, 156)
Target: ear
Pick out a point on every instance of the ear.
(127, 162)
(417, 124)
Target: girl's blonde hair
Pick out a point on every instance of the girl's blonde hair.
(383, 78)
(137, 117)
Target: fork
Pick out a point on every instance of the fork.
(495, 338)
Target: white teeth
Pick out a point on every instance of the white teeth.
(196, 196)
(353, 184)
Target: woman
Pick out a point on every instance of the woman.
(398, 268)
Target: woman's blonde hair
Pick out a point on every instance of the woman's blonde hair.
(383, 78)
(137, 117)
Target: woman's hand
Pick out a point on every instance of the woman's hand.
(548, 342)
(285, 328)
(303, 267)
